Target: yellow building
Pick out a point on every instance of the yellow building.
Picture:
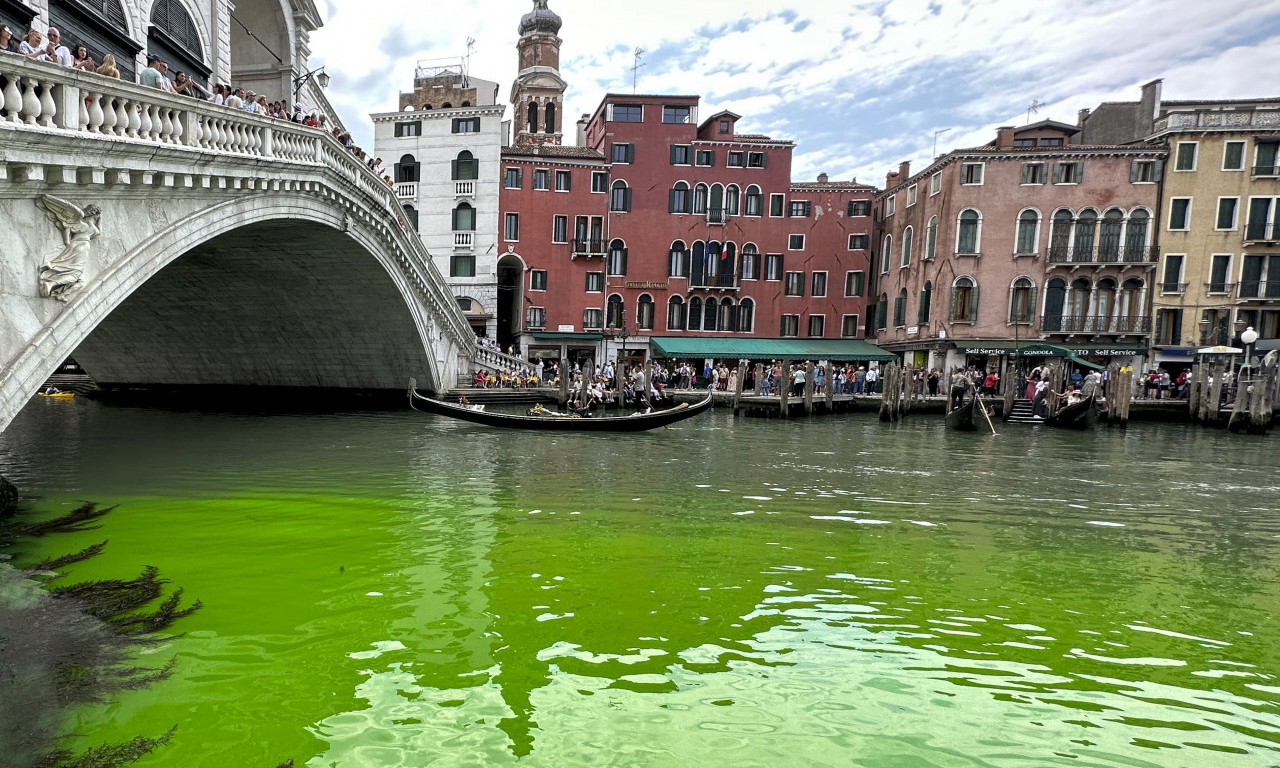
(1219, 226)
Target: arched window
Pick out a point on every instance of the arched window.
(411, 217)
(1060, 237)
(1130, 314)
(969, 237)
(964, 300)
(1055, 299)
(698, 264)
(174, 37)
(926, 300)
(550, 118)
(407, 170)
(715, 206)
(714, 250)
(644, 312)
(750, 269)
(1022, 300)
(907, 236)
(746, 316)
(754, 202)
(728, 261)
(1086, 230)
(675, 314)
(1028, 233)
(1135, 237)
(885, 249)
(1109, 236)
(882, 312)
(616, 261)
(695, 314)
(620, 197)
(900, 309)
(731, 200)
(446, 105)
(1078, 304)
(710, 315)
(727, 312)
(464, 218)
(678, 198)
(614, 315)
(1104, 303)
(678, 260)
(466, 167)
(533, 117)
(700, 198)
(931, 239)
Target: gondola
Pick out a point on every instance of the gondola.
(964, 417)
(637, 422)
(1082, 415)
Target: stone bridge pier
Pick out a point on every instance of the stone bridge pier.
(160, 240)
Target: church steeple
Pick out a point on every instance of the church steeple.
(537, 96)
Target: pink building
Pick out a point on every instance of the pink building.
(1027, 239)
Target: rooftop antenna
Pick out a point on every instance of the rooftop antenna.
(1033, 109)
(466, 62)
(636, 67)
(935, 139)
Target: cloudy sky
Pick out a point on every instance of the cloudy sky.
(859, 85)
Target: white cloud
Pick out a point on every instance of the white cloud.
(859, 86)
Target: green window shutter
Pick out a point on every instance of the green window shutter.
(1160, 327)
(973, 304)
(631, 153)
(1057, 173)
(1157, 173)
(953, 303)
(626, 202)
(1031, 303)
(1080, 172)
(1176, 332)
(453, 169)
(671, 202)
(673, 154)
(1133, 172)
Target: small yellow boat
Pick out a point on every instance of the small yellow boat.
(59, 395)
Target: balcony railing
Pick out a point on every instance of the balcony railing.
(1219, 287)
(1095, 324)
(1262, 232)
(1216, 119)
(463, 239)
(464, 189)
(1258, 289)
(588, 247)
(722, 280)
(406, 190)
(1104, 254)
(1173, 287)
(1266, 170)
(717, 216)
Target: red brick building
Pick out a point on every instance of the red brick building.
(667, 226)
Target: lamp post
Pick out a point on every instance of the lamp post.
(1249, 337)
(321, 77)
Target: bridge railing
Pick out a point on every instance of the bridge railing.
(45, 97)
(500, 361)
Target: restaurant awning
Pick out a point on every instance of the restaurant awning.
(768, 349)
(1044, 349)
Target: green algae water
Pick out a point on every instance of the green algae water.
(393, 589)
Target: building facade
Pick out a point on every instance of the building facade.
(1220, 227)
(442, 150)
(1031, 238)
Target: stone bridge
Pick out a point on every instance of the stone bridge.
(161, 240)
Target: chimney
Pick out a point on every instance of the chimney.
(1004, 137)
(822, 178)
(890, 179)
(1082, 116)
(904, 170)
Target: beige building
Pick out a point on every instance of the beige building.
(1220, 225)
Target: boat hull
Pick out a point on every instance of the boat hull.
(1082, 415)
(964, 418)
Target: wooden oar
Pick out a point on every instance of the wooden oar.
(983, 406)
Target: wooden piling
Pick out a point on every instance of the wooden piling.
(784, 387)
(830, 386)
(564, 381)
(808, 387)
(758, 380)
(737, 387)
(588, 371)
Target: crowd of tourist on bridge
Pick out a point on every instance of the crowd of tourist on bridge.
(49, 46)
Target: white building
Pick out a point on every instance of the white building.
(443, 150)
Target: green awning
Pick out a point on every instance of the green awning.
(566, 336)
(767, 349)
(1044, 349)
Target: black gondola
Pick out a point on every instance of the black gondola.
(1081, 415)
(637, 422)
(964, 418)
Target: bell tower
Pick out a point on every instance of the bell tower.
(537, 95)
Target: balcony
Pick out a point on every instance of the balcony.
(1173, 287)
(1224, 288)
(1103, 255)
(591, 247)
(1266, 171)
(717, 216)
(464, 239)
(724, 280)
(1262, 232)
(1095, 324)
(464, 189)
(407, 190)
(1260, 290)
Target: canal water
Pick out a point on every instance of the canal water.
(392, 589)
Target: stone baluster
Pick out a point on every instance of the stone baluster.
(135, 119)
(122, 116)
(144, 121)
(266, 142)
(13, 99)
(48, 109)
(94, 123)
(166, 125)
(82, 122)
(109, 114)
(179, 126)
(30, 101)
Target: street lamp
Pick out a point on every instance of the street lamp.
(321, 77)
(1248, 337)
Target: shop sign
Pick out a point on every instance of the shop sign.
(564, 328)
(646, 285)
